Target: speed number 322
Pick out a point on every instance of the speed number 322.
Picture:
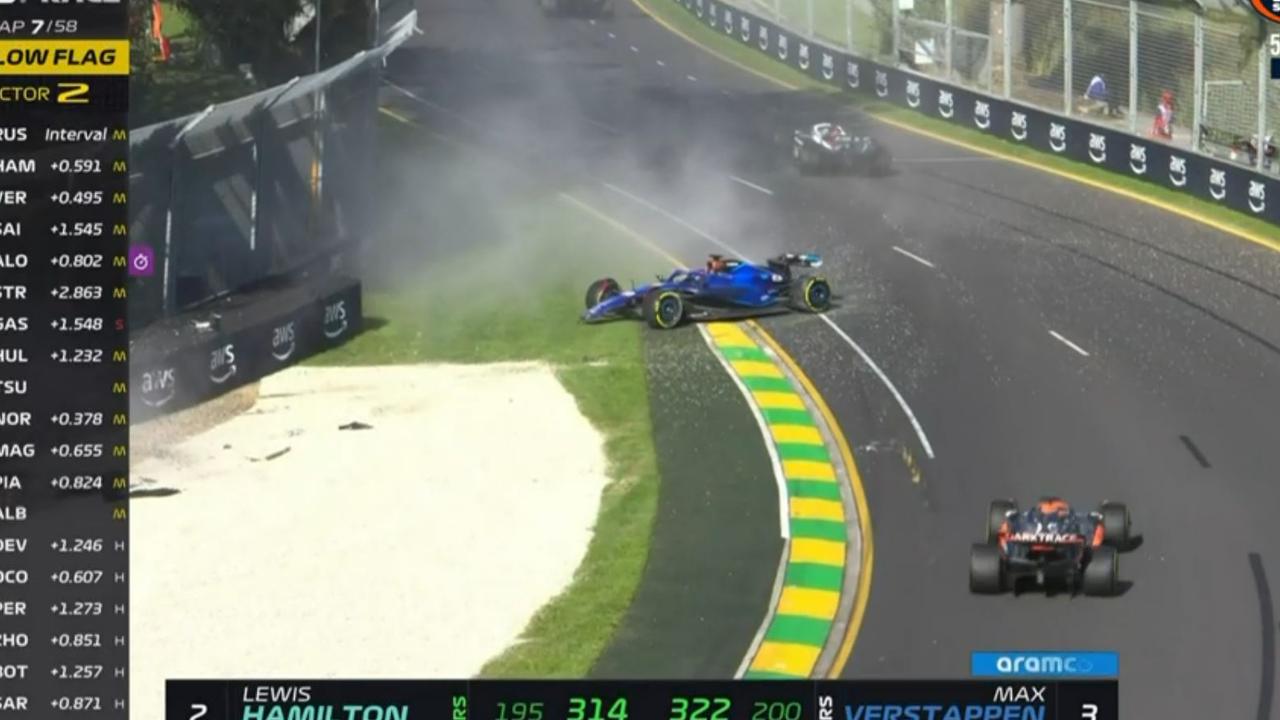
(717, 708)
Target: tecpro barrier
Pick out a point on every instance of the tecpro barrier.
(191, 363)
(1121, 152)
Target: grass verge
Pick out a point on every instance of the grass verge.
(503, 281)
(681, 20)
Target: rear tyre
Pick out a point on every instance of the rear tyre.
(1115, 524)
(997, 512)
(601, 290)
(986, 570)
(663, 309)
(1102, 573)
(810, 293)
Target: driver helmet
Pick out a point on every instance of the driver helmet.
(716, 264)
(1053, 507)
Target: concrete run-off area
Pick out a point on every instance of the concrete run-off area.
(372, 522)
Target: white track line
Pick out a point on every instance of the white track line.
(673, 218)
(893, 390)
(635, 49)
(1068, 343)
(612, 36)
(691, 78)
(603, 126)
(750, 184)
(902, 403)
(660, 63)
(913, 256)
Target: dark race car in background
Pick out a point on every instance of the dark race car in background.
(830, 147)
(1051, 543)
(725, 288)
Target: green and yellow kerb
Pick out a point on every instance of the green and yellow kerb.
(815, 566)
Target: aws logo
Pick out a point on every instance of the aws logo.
(946, 103)
(222, 363)
(335, 319)
(284, 340)
(159, 386)
(1018, 125)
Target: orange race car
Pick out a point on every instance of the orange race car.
(1050, 542)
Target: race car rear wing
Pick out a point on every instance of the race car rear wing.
(811, 260)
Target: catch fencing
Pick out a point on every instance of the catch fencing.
(259, 188)
(1212, 71)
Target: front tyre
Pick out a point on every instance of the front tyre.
(601, 290)
(663, 309)
(811, 293)
(986, 570)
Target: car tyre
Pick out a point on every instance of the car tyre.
(1115, 524)
(997, 512)
(1102, 572)
(811, 293)
(663, 309)
(986, 570)
(601, 290)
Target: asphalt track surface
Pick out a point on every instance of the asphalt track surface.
(1048, 337)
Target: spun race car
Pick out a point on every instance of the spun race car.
(726, 288)
(830, 147)
(1050, 541)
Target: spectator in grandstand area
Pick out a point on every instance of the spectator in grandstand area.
(1162, 125)
(1096, 96)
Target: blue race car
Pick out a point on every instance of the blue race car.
(726, 288)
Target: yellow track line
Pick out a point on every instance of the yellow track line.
(1257, 239)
